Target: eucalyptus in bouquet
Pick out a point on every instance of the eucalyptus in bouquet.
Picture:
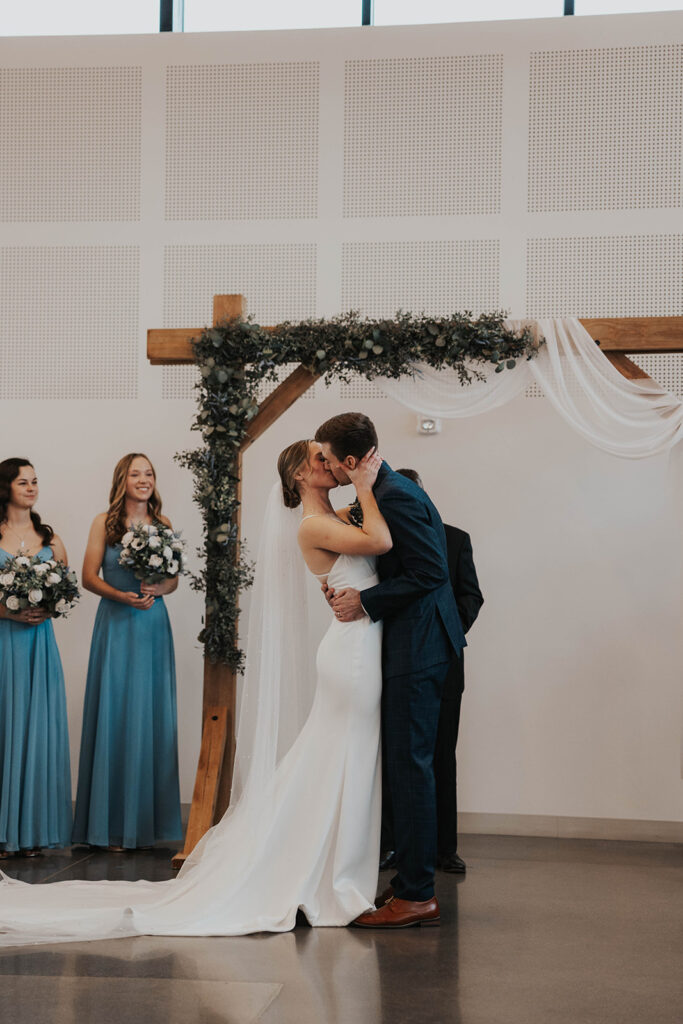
(153, 552)
(28, 582)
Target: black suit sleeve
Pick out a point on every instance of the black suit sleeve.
(421, 555)
(468, 596)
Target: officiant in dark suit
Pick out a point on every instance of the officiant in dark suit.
(469, 600)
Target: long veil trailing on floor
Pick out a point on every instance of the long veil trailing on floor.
(278, 689)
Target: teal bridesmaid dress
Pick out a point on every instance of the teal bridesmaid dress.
(35, 777)
(128, 791)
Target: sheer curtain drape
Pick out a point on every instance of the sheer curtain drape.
(631, 419)
(627, 418)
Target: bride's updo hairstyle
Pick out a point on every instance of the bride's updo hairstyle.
(289, 463)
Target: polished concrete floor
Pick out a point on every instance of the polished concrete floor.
(539, 930)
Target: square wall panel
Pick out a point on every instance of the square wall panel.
(606, 129)
(70, 144)
(422, 136)
(278, 282)
(437, 278)
(612, 275)
(242, 141)
(70, 321)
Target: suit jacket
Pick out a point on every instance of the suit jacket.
(414, 597)
(468, 597)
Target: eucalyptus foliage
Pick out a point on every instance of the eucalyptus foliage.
(236, 357)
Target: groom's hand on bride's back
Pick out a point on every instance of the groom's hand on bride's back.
(329, 593)
(346, 605)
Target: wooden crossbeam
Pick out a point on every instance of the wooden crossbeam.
(637, 334)
(628, 334)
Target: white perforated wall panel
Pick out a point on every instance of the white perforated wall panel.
(70, 144)
(379, 278)
(359, 387)
(70, 321)
(605, 275)
(422, 136)
(278, 281)
(242, 141)
(605, 128)
(626, 275)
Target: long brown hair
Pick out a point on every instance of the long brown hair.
(9, 471)
(289, 462)
(115, 524)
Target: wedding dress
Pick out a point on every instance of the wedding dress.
(303, 831)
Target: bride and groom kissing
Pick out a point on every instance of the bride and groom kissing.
(303, 829)
(413, 599)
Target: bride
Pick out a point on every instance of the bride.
(303, 828)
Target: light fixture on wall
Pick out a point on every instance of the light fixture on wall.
(428, 425)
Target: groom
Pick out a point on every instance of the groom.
(421, 630)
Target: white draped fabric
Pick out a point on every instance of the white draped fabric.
(632, 419)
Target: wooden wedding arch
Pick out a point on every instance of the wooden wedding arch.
(618, 338)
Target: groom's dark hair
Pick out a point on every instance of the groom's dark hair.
(350, 433)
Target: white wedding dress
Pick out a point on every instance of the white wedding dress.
(305, 835)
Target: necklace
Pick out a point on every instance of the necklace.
(21, 539)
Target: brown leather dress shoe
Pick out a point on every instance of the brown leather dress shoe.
(398, 913)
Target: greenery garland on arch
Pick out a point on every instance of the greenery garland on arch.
(236, 357)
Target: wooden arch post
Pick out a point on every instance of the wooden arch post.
(213, 781)
(617, 337)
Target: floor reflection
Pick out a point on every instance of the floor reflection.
(310, 975)
(538, 930)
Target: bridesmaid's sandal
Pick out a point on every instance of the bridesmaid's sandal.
(116, 849)
(6, 854)
(34, 851)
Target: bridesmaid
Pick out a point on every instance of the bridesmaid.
(35, 777)
(128, 792)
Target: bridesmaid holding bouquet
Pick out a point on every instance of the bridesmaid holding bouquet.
(128, 791)
(35, 777)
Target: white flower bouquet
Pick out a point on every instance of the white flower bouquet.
(27, 582)
(152, 553)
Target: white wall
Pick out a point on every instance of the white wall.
(191, 165)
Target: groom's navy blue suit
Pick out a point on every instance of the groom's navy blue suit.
(421, 630)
